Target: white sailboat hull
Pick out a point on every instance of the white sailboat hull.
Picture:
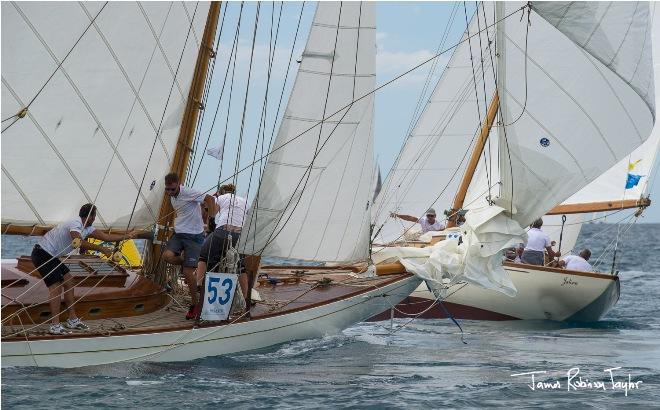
(543, 293)
(197, 343)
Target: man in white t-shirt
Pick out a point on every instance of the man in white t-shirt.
(58, 242)
(537, 243)
(188, 231)
(578, 263)
(428, 222)
(230, 212)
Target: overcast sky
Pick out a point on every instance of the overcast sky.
(407, 33)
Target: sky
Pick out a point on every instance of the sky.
(407, 34)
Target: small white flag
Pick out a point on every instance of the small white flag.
(216, 152)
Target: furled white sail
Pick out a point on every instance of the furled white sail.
(576, 92)
(315, 196)
(431, 164)
(89, 130)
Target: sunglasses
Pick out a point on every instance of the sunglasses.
(170, 189)
(430, 216)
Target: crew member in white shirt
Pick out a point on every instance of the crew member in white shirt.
(428, 222)
(188, 231)
(230, 211)
(537, 242)
(578, 263)
(58, 242)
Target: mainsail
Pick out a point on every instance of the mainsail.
(314, 199)
(103, 129)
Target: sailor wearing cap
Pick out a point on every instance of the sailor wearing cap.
(428, 221)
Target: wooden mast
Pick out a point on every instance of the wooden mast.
(474, 161)
(187, 130)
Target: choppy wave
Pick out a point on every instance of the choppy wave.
(411, 364)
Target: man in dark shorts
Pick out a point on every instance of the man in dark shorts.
(58, 242)
(188, 231)
(230, 210)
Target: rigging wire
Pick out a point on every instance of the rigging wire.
(263, 157)
(378, 88)
(474, 76)
(308, 171)
(261, 136)
(153, 146)
(424, 152)
(418, 107)
(528, 7)
(21, 113)
(415, 118)
(115, 152)
(245, 103)
(200, 119)
(488, 164)
(222, 90)
(350, 150)
(229, 102)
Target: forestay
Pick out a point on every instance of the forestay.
(431, 163)
(88, 135)
(315, 195)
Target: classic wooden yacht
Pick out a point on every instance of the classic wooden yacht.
(101, 65)
(497, 143)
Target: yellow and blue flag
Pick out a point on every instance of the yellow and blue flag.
(633, 179)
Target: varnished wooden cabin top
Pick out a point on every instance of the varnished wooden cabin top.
(104, 290)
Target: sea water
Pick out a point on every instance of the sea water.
(418, 364)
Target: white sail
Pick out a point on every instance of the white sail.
(611, 186)
(431, 164)
(88, 134)
(315, 196)
(570, 108)
(615, 185)
(575, 101)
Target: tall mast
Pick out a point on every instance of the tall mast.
(187, 130)
(474, 161)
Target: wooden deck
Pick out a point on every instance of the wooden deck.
(282, 290)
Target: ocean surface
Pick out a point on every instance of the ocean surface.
(422, 364)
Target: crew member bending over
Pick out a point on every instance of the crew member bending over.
(230, 211)
(58, 242)
(578, 263)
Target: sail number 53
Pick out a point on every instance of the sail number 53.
(219, 291)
